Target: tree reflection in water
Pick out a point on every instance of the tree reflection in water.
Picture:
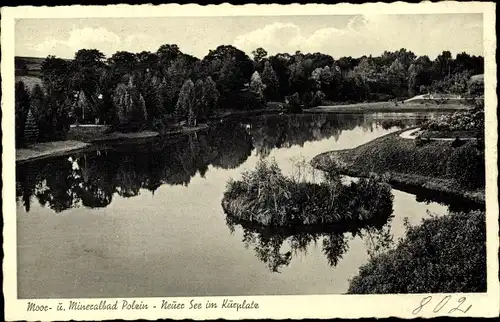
(92, 179)
(276, 246)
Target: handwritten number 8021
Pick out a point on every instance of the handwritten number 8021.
(426, 300)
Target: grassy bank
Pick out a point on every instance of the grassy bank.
(442, 255)
(403, 161)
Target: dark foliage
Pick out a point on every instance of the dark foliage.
(467, 165)
(442, 255)
(83, 89)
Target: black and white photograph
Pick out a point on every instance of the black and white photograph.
(234, 156)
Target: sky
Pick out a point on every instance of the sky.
(339, 35)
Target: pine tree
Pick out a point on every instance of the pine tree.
(270, 79)
(149, 89)
(210, 96)
(130, 106)
(22, 105)
(199, 99)
(39, 111)
(167, 97)
(30, 129)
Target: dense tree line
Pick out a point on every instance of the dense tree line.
(161, 89)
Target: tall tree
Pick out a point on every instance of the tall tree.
(443, 64)
(186, 104)
(150, 91)
(210, 96)
(123, 62)
(259, 54)
(55, 74)
(299, 76)
(397, 76)
(22, 106)
(167, 54)
(168, 96)
(148, 62)
(30, 129)
(270, 80)
(231, 69)
(257, 86)
(40, 112)
(279, 63)
(87, 68)
(199, 99)
(131, 113)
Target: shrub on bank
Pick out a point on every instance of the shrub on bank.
(266, 197)
(471, 120)
(467, 165)
(442, 255)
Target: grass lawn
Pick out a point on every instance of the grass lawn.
(404, 163)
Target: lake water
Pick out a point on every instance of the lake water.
(146, 220)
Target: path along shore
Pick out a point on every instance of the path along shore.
(45, 150)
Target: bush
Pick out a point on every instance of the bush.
(442, 255)
(472, 120)
(467, 166)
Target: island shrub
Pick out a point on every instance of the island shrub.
(467, 166)
(387, 124)
(267, 197)
(442, 255)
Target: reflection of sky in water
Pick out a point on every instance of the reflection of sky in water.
(175, 242)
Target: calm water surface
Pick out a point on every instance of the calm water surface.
(146, 220)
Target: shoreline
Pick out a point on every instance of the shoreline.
(75, 143)
(375, 107)
(428, 184)
(53, 149)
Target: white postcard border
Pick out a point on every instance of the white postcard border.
(275, 307)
